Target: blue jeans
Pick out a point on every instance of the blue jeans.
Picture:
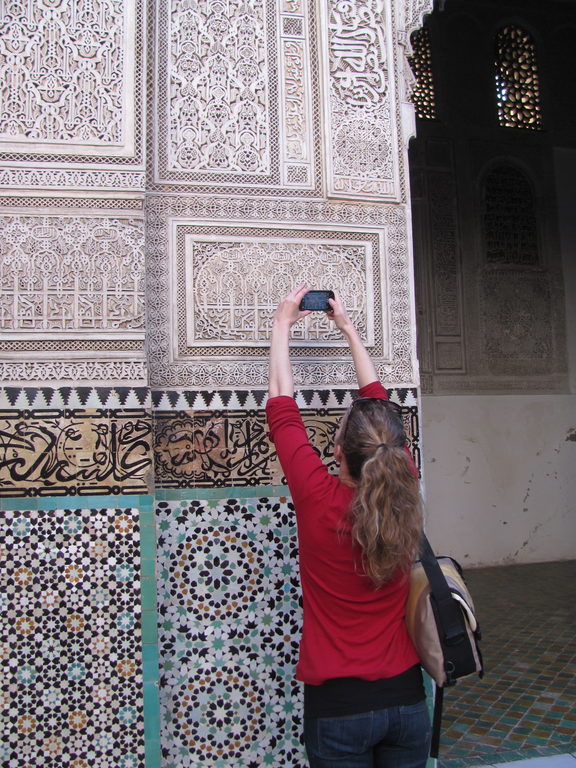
(395, 737)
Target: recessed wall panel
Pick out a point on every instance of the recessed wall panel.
(213, 288)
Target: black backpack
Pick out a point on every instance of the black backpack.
(443, 626)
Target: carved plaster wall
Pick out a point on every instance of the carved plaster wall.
(169, 172)
(277, 100)
(71, 147)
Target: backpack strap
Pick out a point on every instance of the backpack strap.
(437, 721)
(450, 622)
(448, 612)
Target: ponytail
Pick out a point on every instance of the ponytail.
(386, 512)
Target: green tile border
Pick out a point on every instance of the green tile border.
(150, 663)
(232, 492)
(15, 503)
(145, 504)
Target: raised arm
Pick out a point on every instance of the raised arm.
(365, 369)
(280, 379)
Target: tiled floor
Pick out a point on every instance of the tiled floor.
(554, 761)
(525, 707)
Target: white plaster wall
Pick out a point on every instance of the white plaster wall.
(500, 477)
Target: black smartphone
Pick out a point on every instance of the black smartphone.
(317, 301)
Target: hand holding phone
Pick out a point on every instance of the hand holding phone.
(317, 301)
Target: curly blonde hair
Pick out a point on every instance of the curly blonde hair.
(386, 512)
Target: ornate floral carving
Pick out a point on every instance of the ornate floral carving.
(235, 98)
(219, 88)
(411, 15)
(71, 80)
(227, 293)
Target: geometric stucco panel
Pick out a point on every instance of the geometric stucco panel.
(72, 297)
(517, 320)
(218, 267)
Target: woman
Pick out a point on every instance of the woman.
(358, 533)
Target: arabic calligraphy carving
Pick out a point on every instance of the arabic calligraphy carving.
(213, 449)
(52, 451)
(292, 6)
(360, 102)
(296, 99)
(232, 448)
(297, 119)
(358, 53)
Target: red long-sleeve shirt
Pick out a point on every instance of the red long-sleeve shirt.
(350, 628)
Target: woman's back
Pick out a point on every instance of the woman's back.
(350, 627)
